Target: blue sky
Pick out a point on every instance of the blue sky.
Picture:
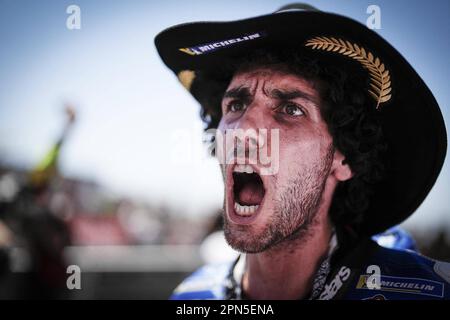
(126, 98)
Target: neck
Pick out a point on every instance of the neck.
(286, 271)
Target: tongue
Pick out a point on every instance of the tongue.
(251, 194)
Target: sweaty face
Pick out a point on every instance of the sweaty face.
(261, 210)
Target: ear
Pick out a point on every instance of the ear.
(340, 169)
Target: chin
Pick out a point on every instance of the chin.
(249, 237)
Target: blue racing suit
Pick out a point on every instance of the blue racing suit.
(357, 272)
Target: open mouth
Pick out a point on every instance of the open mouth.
(248, 190)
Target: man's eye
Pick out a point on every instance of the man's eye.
(291, 109)
(236, 106)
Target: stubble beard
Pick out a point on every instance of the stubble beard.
(295, 212)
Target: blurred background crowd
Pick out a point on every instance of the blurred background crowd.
(91, 184)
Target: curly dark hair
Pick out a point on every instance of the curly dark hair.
(347, 109)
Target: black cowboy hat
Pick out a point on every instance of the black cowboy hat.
(411, 118)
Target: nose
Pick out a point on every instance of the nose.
(250, 124)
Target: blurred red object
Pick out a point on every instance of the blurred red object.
(97, 230)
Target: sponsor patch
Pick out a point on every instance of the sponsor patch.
(333, 287)
(213, 46)
(406, 285)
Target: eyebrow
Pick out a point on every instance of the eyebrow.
(242, 93)
(291, 94)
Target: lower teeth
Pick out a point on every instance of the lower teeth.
(243, 210)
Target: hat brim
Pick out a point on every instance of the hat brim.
(412, 121)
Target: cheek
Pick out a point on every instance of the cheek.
(302, 150)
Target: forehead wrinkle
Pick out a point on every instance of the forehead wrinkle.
(266, 88)
(268, 72)
(256, 87)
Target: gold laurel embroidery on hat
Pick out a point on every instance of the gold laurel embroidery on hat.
(186, 77)
(380, 80)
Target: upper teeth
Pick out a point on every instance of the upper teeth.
(243, 168)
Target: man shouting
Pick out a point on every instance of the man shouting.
(356, 141)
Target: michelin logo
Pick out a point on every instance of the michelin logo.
(406, 285)
(209, 47)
